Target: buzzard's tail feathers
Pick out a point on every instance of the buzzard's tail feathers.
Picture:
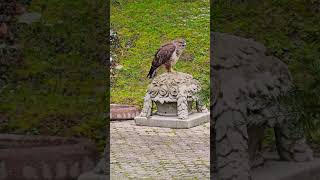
(152, 72)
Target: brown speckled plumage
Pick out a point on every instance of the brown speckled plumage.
(167, 55)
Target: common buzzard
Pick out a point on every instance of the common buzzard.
(167, 55)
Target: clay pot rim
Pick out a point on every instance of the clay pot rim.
(122, 106)
(123, 111)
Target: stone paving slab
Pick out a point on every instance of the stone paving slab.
(141, 152)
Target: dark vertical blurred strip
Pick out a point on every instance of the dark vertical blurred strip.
(212, 98)
(107, 149)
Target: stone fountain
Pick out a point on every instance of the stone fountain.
(175, 96)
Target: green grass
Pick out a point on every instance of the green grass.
(59, 88)
(145, 25)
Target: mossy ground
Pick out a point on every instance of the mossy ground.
(142, 26)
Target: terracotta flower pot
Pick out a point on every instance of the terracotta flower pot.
(45, 157)
(123, 112)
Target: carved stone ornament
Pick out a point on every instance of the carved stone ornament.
(173, 94)
(246, 85)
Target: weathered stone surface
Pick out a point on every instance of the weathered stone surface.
(47, 172)
(43, 157)
(3, 170)
(101, 171)
(30, 173)
(103, 167)
(61, 170)
(194, 119)
(246, 85)
(147, 106)
(170, 109)
(168, 88)
(74, 170)
(284, 170)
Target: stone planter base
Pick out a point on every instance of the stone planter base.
(45, 157)
(195, 119)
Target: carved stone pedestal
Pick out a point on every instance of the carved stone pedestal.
(174, 94)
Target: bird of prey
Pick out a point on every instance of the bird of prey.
(167, 55)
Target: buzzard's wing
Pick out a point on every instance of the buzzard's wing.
(163, 55)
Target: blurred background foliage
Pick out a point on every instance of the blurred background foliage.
(55, 83)
(58, 84)
(290, 29)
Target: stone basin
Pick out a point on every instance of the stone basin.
(123, 112)
(45, 157)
